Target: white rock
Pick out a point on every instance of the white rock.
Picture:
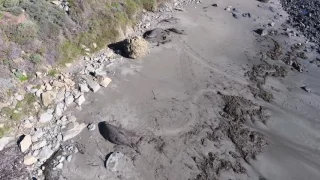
(45, 153)
(45, 117)
(94, 45)
(5, 141)
(74, 131)
(39, 145)
(59, 166)
(105, 82)
(62, 159)
(69, 100)
(80, 100)
(84, 88)
(25, 143)
(69, 158)
(93, 85)
(29, 160)
(229, 8)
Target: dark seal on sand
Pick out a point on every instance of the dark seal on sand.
(115, 134)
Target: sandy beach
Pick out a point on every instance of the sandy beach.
(173, 101)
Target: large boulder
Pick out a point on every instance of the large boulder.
(136, 47)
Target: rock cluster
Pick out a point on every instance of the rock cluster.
(44, 135)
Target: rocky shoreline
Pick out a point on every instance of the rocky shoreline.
(42, 136)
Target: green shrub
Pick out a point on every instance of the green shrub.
(50, 18)
(10, 3)
(53, 72)
(69, 51)
(149, 5)
(20, 76)
(4, 130)
(131, 8)
(22, 33)
(36, 58)
(15, 10)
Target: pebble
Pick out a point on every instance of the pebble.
(229, 8)
(306, 88)
(91, 127)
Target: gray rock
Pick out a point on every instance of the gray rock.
(93, 85)
(38, 134)
(80, 100)
(39, 145)
(84, 87)
(59, 109)
(69, 100)
(74, 131)
(45, 153)
(45, 117)
(60, 96)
